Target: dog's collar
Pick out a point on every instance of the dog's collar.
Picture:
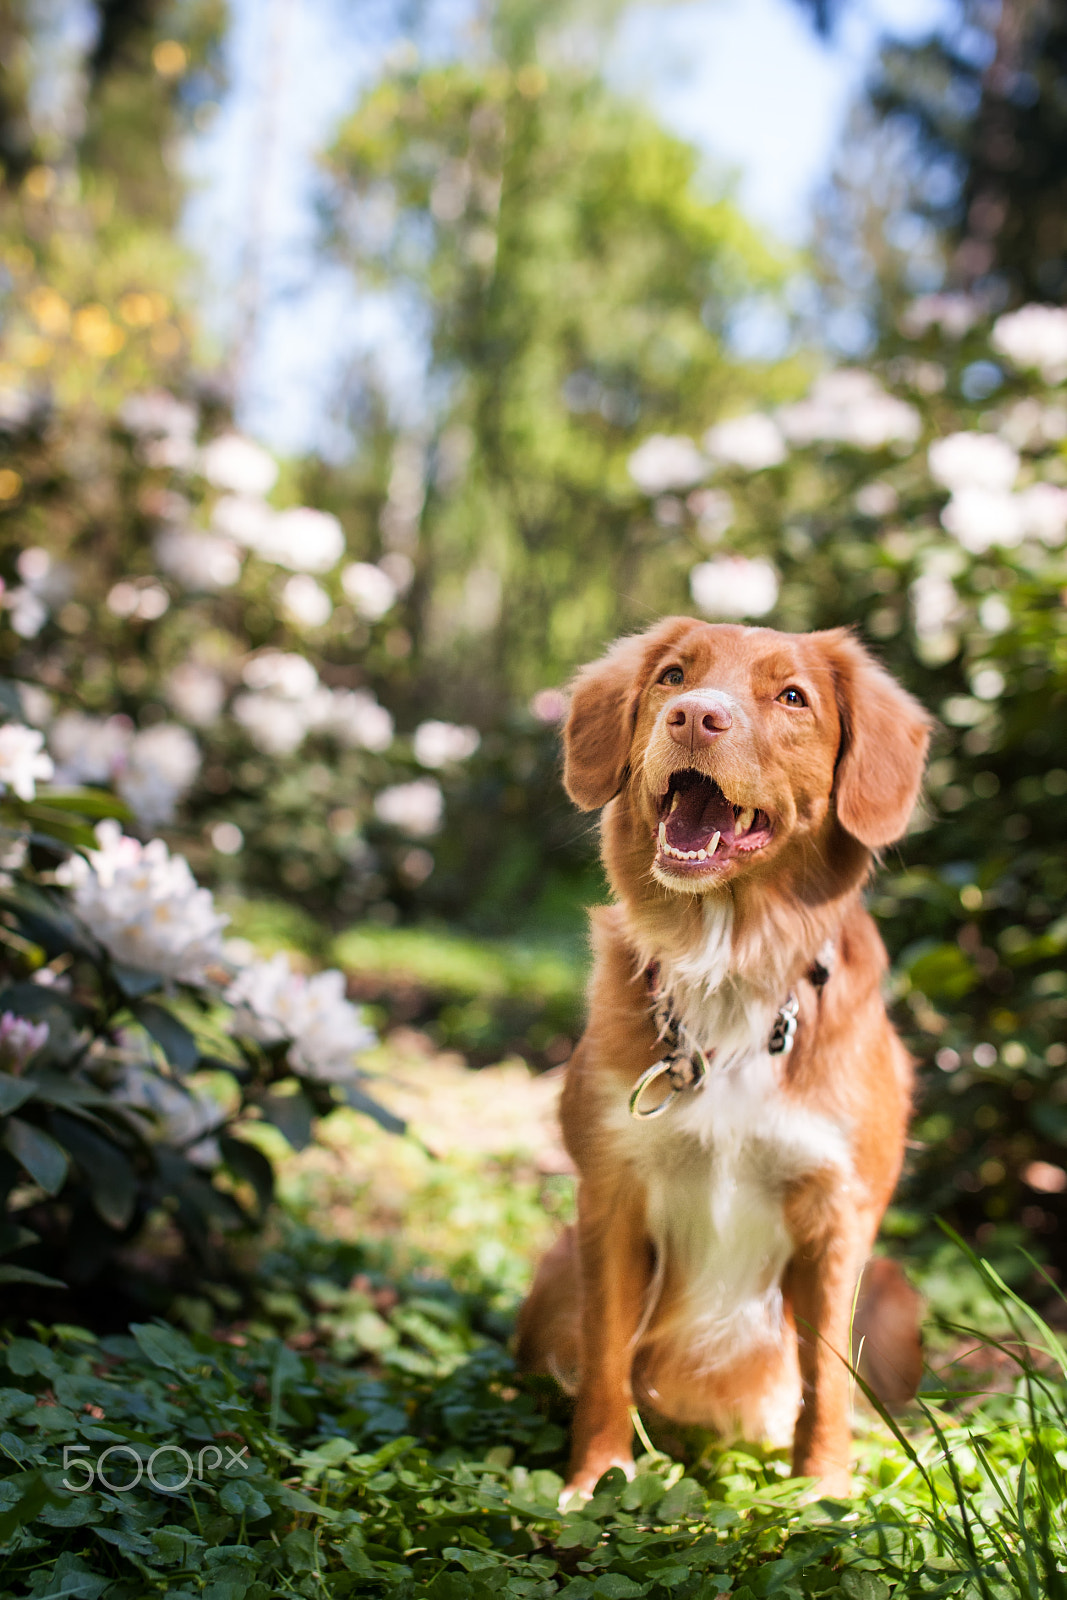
(684, 1063)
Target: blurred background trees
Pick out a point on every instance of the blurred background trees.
(335, 680)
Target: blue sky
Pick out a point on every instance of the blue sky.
(746, 80)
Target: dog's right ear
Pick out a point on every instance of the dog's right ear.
(604, 703)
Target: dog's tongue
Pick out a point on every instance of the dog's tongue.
(701, 811)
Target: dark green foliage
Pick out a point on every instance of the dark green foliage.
(420, 1465)
(132, 1097)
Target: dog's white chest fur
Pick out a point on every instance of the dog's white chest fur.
(717, 1165)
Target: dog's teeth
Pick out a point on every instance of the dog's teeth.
(745, 820)
(674, 803)
(702, 855)
(663, 836)
(714, 845)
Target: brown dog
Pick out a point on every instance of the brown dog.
(737, 1106)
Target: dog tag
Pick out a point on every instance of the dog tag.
(785, 1027)
(681, 1072)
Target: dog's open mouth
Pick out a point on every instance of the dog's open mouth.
(701, 830)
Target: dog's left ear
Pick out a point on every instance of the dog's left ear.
(604, 703)
(884, 738)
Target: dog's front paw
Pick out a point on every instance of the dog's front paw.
(582, 1483)
(833, 1484)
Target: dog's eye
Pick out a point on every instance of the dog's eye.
(673, 675)
(792, 697)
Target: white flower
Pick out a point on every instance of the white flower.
(436, 744)
(733, 586)
(50, 580)
(987, 683)
(227, 838)
(1044, 512)
(160, 767)
(88, 749)
(714, 511)
(935, 604)
(283, 673)
(876, 499)
(326, 1032)
(751, 443)
(16, 408)
(306, 602)
(36, 704)
(28, 612)
(46, 583)
(23, 763)
(954, 314)
(666, 461)
(1034, 337)
(145, 906)
(973, 461)
(244, 518)
(355, 718)
(232, 462)
(195, 692)
(850, 407)
(160, 413)
(371, 591)
(1029, 425)
(274, 725)
(994, 614)
(417, 808)
(304, 540)
(981, 518)
(166, 427)
(287, 702)
(197, 560)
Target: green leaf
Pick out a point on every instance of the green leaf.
(863, 1586)
(34, 1492)
(13, 1237)
(85, 802)
(108, 1175)
(941, 972)
(616, 1586)
(301, 1549)
(38, 1153)
(11, 700)
(292, 1114)
(165, 1347)
(249, 1164)
(27, 1275)
(135, 981)
(684, 1499)
(52, 828)
(42, 1003)
(172, 1036)
(580, 1532)
(243, 1499)
(53, 1089)
(370, 1107)
(47, 923)
(13, 1092)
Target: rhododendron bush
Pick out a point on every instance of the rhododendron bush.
(137, 1055)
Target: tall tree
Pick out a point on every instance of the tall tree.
(576, 281)
(983, 100)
